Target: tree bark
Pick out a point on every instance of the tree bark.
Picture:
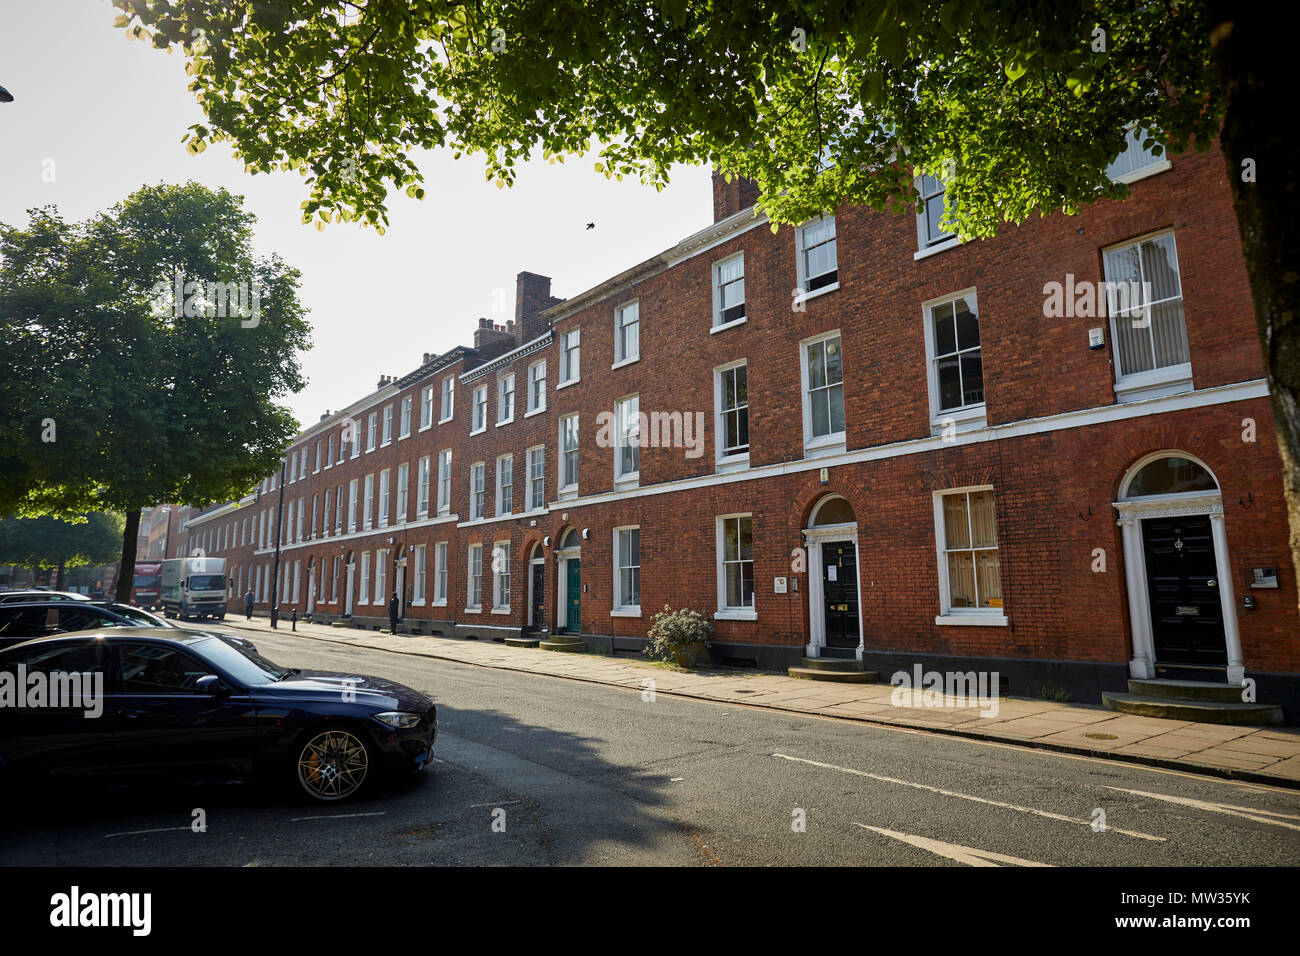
(126, 572)
(59, 585)
(1262, 150)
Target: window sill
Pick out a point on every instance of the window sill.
(566, 384)
(833, 287)
(419, 603)
(506, 421)
(631, 480)
(728, 325)
(425, 428)
(973, 619)
(442, 603)
(826, 445)
(567, 493)
(443, 421)
(536, 411)
(473, 610)
(625, 612)
(1139, 174)
(385, 444)
(627, 361)
(732, 463)
(934, 250)
(736, 614)
(404, 437)
(501, 610)
(965, 418)
(1173, 380)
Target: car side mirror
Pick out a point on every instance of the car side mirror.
(211, 684)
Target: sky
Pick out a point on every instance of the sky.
(95, 116)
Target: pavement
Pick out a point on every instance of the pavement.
(1268, 755)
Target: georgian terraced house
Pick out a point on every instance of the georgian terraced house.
(855, 438)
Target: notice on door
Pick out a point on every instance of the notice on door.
(831, 573)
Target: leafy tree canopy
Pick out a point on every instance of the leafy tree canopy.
(1019, 104)
(53, 542)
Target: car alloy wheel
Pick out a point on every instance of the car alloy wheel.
(333, 765)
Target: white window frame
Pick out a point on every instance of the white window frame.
(506, 399)
(386, 435)
(725, 611)
(621, 439)
(536, 403)
(368, 503)
(352, 506)
(963, 417)
(426, 408)
(404, 418)
(372, 428)
(499, 577)
(444, 482)
(447, 399)
(621, 355)
(1133, 142)
(987, 616)
(478, 410)
(924, 247)
(736, 460)
(440, 552)
(381, 577)
(474, 560)
(503, 507)
(316, 470)
(622, 609)
(801, 259)
(381, 519)
(422, 488)
(568, 489)
(1156, 382)
(833, 441)
(718, 325)
(535, 482)
(419, 570)
(403, 492)
(329, 461)
(570, 373)
(477, 490)
(363, 597)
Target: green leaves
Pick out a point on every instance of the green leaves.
(780, 92)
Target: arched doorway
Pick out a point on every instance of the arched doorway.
(568, 563)
(1182, 611)
(834, 582)
(536, 589)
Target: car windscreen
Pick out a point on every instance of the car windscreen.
(246, 666)
(137, 616)
(207, 582)
(147, 580)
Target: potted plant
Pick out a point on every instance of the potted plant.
(681, 636)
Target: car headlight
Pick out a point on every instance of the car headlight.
(399, 719)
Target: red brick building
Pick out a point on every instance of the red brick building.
(1049, 454)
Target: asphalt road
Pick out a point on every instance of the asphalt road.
(535, 770)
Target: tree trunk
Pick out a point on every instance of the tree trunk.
(59, 585)
(1262, 149)
(126, 572)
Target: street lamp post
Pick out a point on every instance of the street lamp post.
(275, 574)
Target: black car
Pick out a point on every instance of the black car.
(23, 595)
(22, 622)
(200, 709)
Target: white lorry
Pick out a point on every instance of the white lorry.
(194, 587)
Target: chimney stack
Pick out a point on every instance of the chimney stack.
(326, 415)
(532, 298)
(730, 198)
(492, 340)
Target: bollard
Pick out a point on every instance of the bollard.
(293, 624)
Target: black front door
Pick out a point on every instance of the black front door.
(1182, 581)
(539, 596)
(840, 592)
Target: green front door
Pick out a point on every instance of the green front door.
(573, 613)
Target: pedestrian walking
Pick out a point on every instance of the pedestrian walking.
(248, 603)
(393, 614)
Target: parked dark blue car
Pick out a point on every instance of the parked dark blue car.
(198, 708)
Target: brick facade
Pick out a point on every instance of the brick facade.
(1055, 443)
